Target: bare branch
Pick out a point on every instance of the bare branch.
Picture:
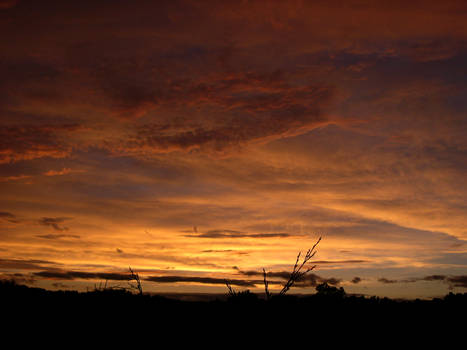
(297, 272)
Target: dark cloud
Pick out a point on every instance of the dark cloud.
(338, 262)
(454, 281)
(71, 275)
(387, 281)
(58, 236)
(217, 251)
(356, 280)
(203, 280)
(20, 264)
(262, 116)
(309, 280)
(230, 251)
(434, 278)
(239, 234)
(458, 281)
(8, 217)
(55, 223)
(30, 142)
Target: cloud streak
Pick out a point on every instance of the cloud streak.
(55, 223)
(30, 142)
(237, 234)
(456, 281)
(308, 280)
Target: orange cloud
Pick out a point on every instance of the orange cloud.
(64, 171)
(31, 142)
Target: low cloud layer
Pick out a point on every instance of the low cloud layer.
(308, 280)
(459, 281)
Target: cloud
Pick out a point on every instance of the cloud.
(239, 234)
(202, 280)
(14, 178)
(218, 250)
(338, 262)
(308, 280)
(387, 281)
(64, 171)
(454, 281)
(434, 278)
(356, 280)
(458, 281)
(256, 117)
(31, 142)
(58, 236)
(72, 275)
(55, 223)
(232, 251)
(6, 215)
(28, 264)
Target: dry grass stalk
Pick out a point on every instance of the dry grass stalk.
(135, 277)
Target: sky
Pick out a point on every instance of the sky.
(202, 141)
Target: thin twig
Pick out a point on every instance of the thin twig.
(297, 272)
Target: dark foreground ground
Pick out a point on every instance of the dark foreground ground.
(328, 310)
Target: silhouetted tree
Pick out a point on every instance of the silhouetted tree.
(325, 290)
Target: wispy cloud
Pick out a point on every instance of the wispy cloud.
(58, 236)
(72, 275)
(63, 171)
(454, 281)
(55, 223)
(27, 264)
(239, 234)
(308, 280)
(201, 280)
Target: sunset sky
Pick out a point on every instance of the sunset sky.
(199, 141)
